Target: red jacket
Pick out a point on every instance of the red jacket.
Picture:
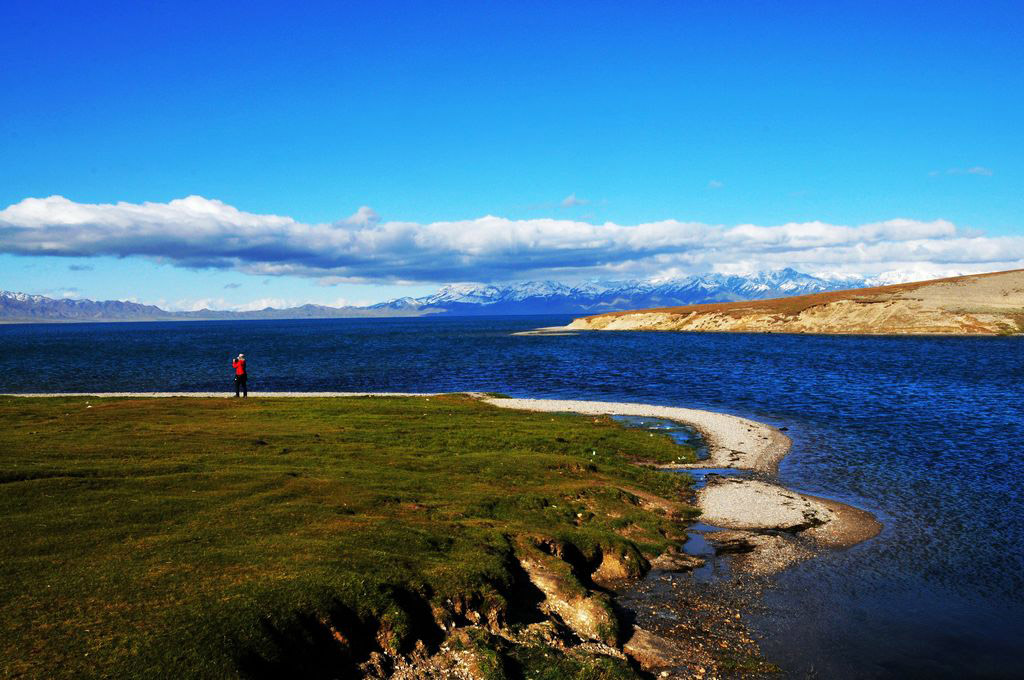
(239, 365)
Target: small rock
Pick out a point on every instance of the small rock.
(587, 614)
(731, 541)
(675, 561)
(650, 650)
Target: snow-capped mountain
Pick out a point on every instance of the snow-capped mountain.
(467, 293)
(23, 306)
(550, 297)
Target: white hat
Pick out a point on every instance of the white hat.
(241, 356)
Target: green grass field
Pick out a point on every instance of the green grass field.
(225, 538)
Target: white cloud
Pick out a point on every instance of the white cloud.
(62, 293)
(263, 303)
(920, 271)
(220, 304)
(571, 201)
(196, 305)
(201, 233)
(974, 170)
(345, 302)
(716, 184)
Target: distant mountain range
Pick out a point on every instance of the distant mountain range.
(532, 297)
(549, 297)
(21, 307)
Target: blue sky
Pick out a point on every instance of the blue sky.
(550, 116)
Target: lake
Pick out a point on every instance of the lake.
(927, 433)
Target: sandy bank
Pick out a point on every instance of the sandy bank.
(756, 505)
(547, 330)
(752, 504)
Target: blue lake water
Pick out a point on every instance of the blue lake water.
(927, 433)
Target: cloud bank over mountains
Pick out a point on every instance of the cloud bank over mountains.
(196, 232)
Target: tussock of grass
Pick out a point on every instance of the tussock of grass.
(218, 538)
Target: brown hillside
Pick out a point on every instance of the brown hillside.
(978, 304)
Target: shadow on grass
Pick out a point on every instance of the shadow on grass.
(310, 646)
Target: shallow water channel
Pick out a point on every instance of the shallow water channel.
(716, 566)
(682, 434)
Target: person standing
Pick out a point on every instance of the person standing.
(241, 377)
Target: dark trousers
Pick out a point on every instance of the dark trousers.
(240, 385)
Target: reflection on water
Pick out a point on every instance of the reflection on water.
(716, 567)
(924, 432)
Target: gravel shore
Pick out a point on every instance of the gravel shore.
(756, 505)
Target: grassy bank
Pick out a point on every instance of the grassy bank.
(223, 538)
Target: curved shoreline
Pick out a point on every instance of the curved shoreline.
(747, 505)
(733, 442)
